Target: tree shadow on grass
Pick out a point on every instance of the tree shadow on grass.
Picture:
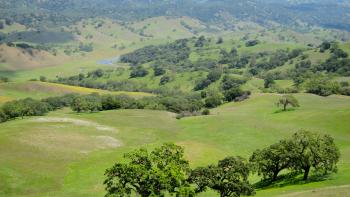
(289, 179)
(281, 110)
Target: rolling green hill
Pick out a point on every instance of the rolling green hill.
(68, 154)
(220, 65)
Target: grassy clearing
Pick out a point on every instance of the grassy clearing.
(16, 90)
(66, 159)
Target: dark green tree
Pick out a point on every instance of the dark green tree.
(3, 116)
(79, 104)
(270, 161)
(158, 71)
(213, 100)
(268, 81)
(164, 170)
(139, 71)
(229, 178)
(311, 150)
(220, 40)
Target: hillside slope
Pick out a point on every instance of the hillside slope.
(68, 154)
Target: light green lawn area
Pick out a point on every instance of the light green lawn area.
(171, 28)
(343, 79)
(65, 154)
(254, 85)
(346, 47)
(284, 83)
(13, 28)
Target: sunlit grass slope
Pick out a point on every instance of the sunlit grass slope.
(35, 89)
(65, 154)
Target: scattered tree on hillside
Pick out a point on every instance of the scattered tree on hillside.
(213, 100)
(213, 76)
(269, 81)
(164, 170)
(220, 40)
(229, 178)
(139, 71)
(43, 79)
(164, 80)
(325, 46)
(286, 100)
(8, 21)
(251, 43)
(200, 42)
(158, 70)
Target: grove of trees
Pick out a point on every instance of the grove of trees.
(166, 171)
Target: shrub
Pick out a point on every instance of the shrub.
(206, 112)
(321, 86)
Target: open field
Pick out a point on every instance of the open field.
(68, 154)
(38, 90)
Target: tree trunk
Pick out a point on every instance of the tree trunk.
(274, 178)
(284, 107)
(306, 173)
(222, 194)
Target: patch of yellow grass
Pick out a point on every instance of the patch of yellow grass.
(4, 99)
(38, 89)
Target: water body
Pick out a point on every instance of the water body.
(110, 61)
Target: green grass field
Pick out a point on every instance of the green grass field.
(39, 90)
(68, 154)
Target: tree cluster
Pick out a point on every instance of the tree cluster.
(172, 53)
(301, 153)
(166, 171)
(32, 107)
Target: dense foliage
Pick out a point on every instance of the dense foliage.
(303, 151)
(165, 169)
(63, 12)
(171, 53)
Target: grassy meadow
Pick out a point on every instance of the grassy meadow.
(39, 90)
(68, 154)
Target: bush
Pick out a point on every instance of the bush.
(345, 90)
(24, 107)
(43, 79)
(206, 112)
(3, 116)
(158, 71)
(139, 71)
(232, 94)
(164, 80)
(213, 101)
(322, 86)
(251, 43)
(87, 103)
